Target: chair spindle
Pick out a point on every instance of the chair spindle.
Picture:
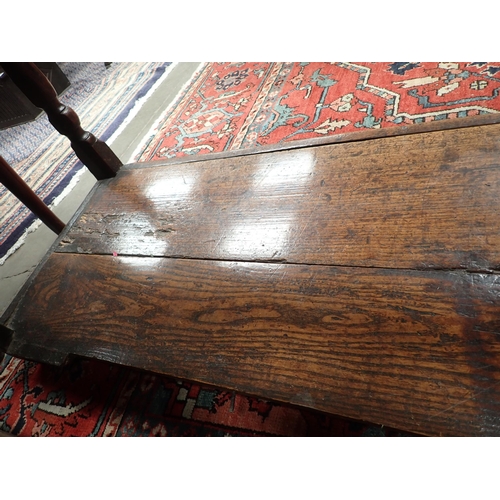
(94, 154)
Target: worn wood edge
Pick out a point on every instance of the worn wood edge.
(5, 318)
(364, 135)
(285, 403)
(74, 357)
(6, 335)
(37, 353)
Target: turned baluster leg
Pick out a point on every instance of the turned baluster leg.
(95, 154)
(11, 180)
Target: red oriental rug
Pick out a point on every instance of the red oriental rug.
(224, 107)
(243, 105)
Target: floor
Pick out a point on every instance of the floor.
(18, 267)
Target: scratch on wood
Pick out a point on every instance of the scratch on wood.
(477, 393)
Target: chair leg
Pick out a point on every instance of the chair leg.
(13, 182)
(94, 154)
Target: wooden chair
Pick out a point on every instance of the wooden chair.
(356, 274)
(95, 154)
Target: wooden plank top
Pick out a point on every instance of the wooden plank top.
(418, 201)
(358, 278)
(416, 350)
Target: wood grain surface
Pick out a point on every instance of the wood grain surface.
(419, 201)
(417, 350)
(359, 278)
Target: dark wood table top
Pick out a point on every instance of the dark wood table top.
(358, 278)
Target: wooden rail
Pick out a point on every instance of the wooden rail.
(16, 185)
